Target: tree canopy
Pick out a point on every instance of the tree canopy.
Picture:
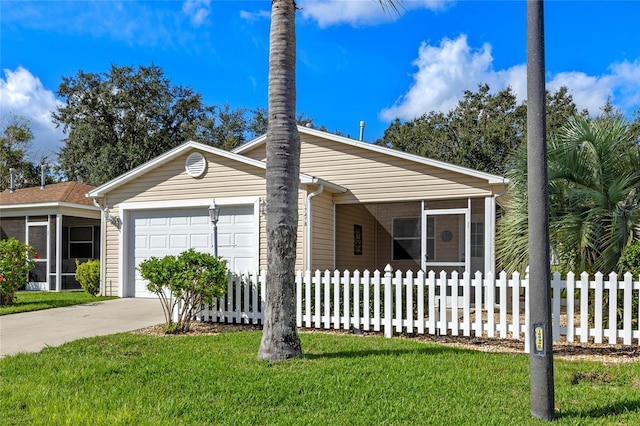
(482, 132)
(117, 120)
(15, 141)
(594, 197)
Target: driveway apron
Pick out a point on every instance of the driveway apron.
(33, 331)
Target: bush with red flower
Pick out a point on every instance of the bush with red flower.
(16, 260)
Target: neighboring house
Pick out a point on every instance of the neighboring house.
(60, 222)
(361, 206)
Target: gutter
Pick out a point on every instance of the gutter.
(309, 218)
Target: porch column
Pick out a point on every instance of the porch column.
(489, 234)
(58, 252)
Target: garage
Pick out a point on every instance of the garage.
(171, 231)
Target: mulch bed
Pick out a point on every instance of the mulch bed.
(608, 354)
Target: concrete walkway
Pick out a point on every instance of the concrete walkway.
(33, 331)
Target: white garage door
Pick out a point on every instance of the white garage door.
(172, 231)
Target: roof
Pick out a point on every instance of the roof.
(490, 178)
(60, 193)
(102, 190)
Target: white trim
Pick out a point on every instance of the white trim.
(59, 252)
(49, 205)
(490, 178)
(489, 234)
(126, 234)
(467, 240)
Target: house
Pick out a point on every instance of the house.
(361, 206)
(60, 222)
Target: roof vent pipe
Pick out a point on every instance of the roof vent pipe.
(362, 124)
(12, 183)
(43, 172)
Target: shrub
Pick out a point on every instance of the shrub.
(16, 260)
(88, 275)
(630, 259)
(183, 284)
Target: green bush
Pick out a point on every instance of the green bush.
(630, 259)
(16, 260)
(88, 275)
(183, 284)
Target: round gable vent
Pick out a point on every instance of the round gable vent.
(195, 165)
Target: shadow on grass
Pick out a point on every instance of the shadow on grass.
(435, 350)
(605, 411)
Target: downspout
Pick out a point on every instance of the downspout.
(103, 246)
(309, 217)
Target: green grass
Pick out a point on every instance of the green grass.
(130, 379)
(37, 300)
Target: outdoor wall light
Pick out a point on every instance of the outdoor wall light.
(214, 213)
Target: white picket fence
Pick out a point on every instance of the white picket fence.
(583, 309)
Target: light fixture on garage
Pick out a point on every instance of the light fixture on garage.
(214, 215)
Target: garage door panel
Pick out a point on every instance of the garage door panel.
(201, 241)
(179, 221)
(157, 242)
(242, 264)
(244, 240)
(157, 221)
(178, 242)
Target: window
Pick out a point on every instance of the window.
(406, 238)
(477, 239)
(81, 242)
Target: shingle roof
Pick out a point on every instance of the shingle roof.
(66, 192)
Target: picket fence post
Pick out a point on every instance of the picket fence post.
(388, 302)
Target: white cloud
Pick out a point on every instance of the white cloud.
(197, 11)
(360, 12)
(255, 16)
(446, 70)
(22, 94)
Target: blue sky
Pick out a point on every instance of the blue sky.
(355, 62)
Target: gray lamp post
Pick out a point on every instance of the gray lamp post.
(214, 215)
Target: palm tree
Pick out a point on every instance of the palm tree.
(280, 338)
(594, 193)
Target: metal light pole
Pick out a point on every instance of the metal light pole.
(214, 215)
(540, 331)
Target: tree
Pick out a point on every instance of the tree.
(594, 192)
(482, 132)
(16, 137)
(258, 124)
(280, 338)
(118, 120)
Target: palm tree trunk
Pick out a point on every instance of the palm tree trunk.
(280, 338)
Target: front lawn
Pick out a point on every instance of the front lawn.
(133, 379)
(37, 300)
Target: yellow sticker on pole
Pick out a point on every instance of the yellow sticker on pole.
(538, 330)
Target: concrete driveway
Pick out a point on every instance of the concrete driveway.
(33, 331)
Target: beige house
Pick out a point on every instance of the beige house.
(361, 206)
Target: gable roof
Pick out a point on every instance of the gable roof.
(187, 146)
(490, 178)
(56, 193)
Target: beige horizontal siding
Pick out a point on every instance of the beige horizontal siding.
(346, 217)
(374, 177)
(223, 178)
(323, 233)
(110, 257)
